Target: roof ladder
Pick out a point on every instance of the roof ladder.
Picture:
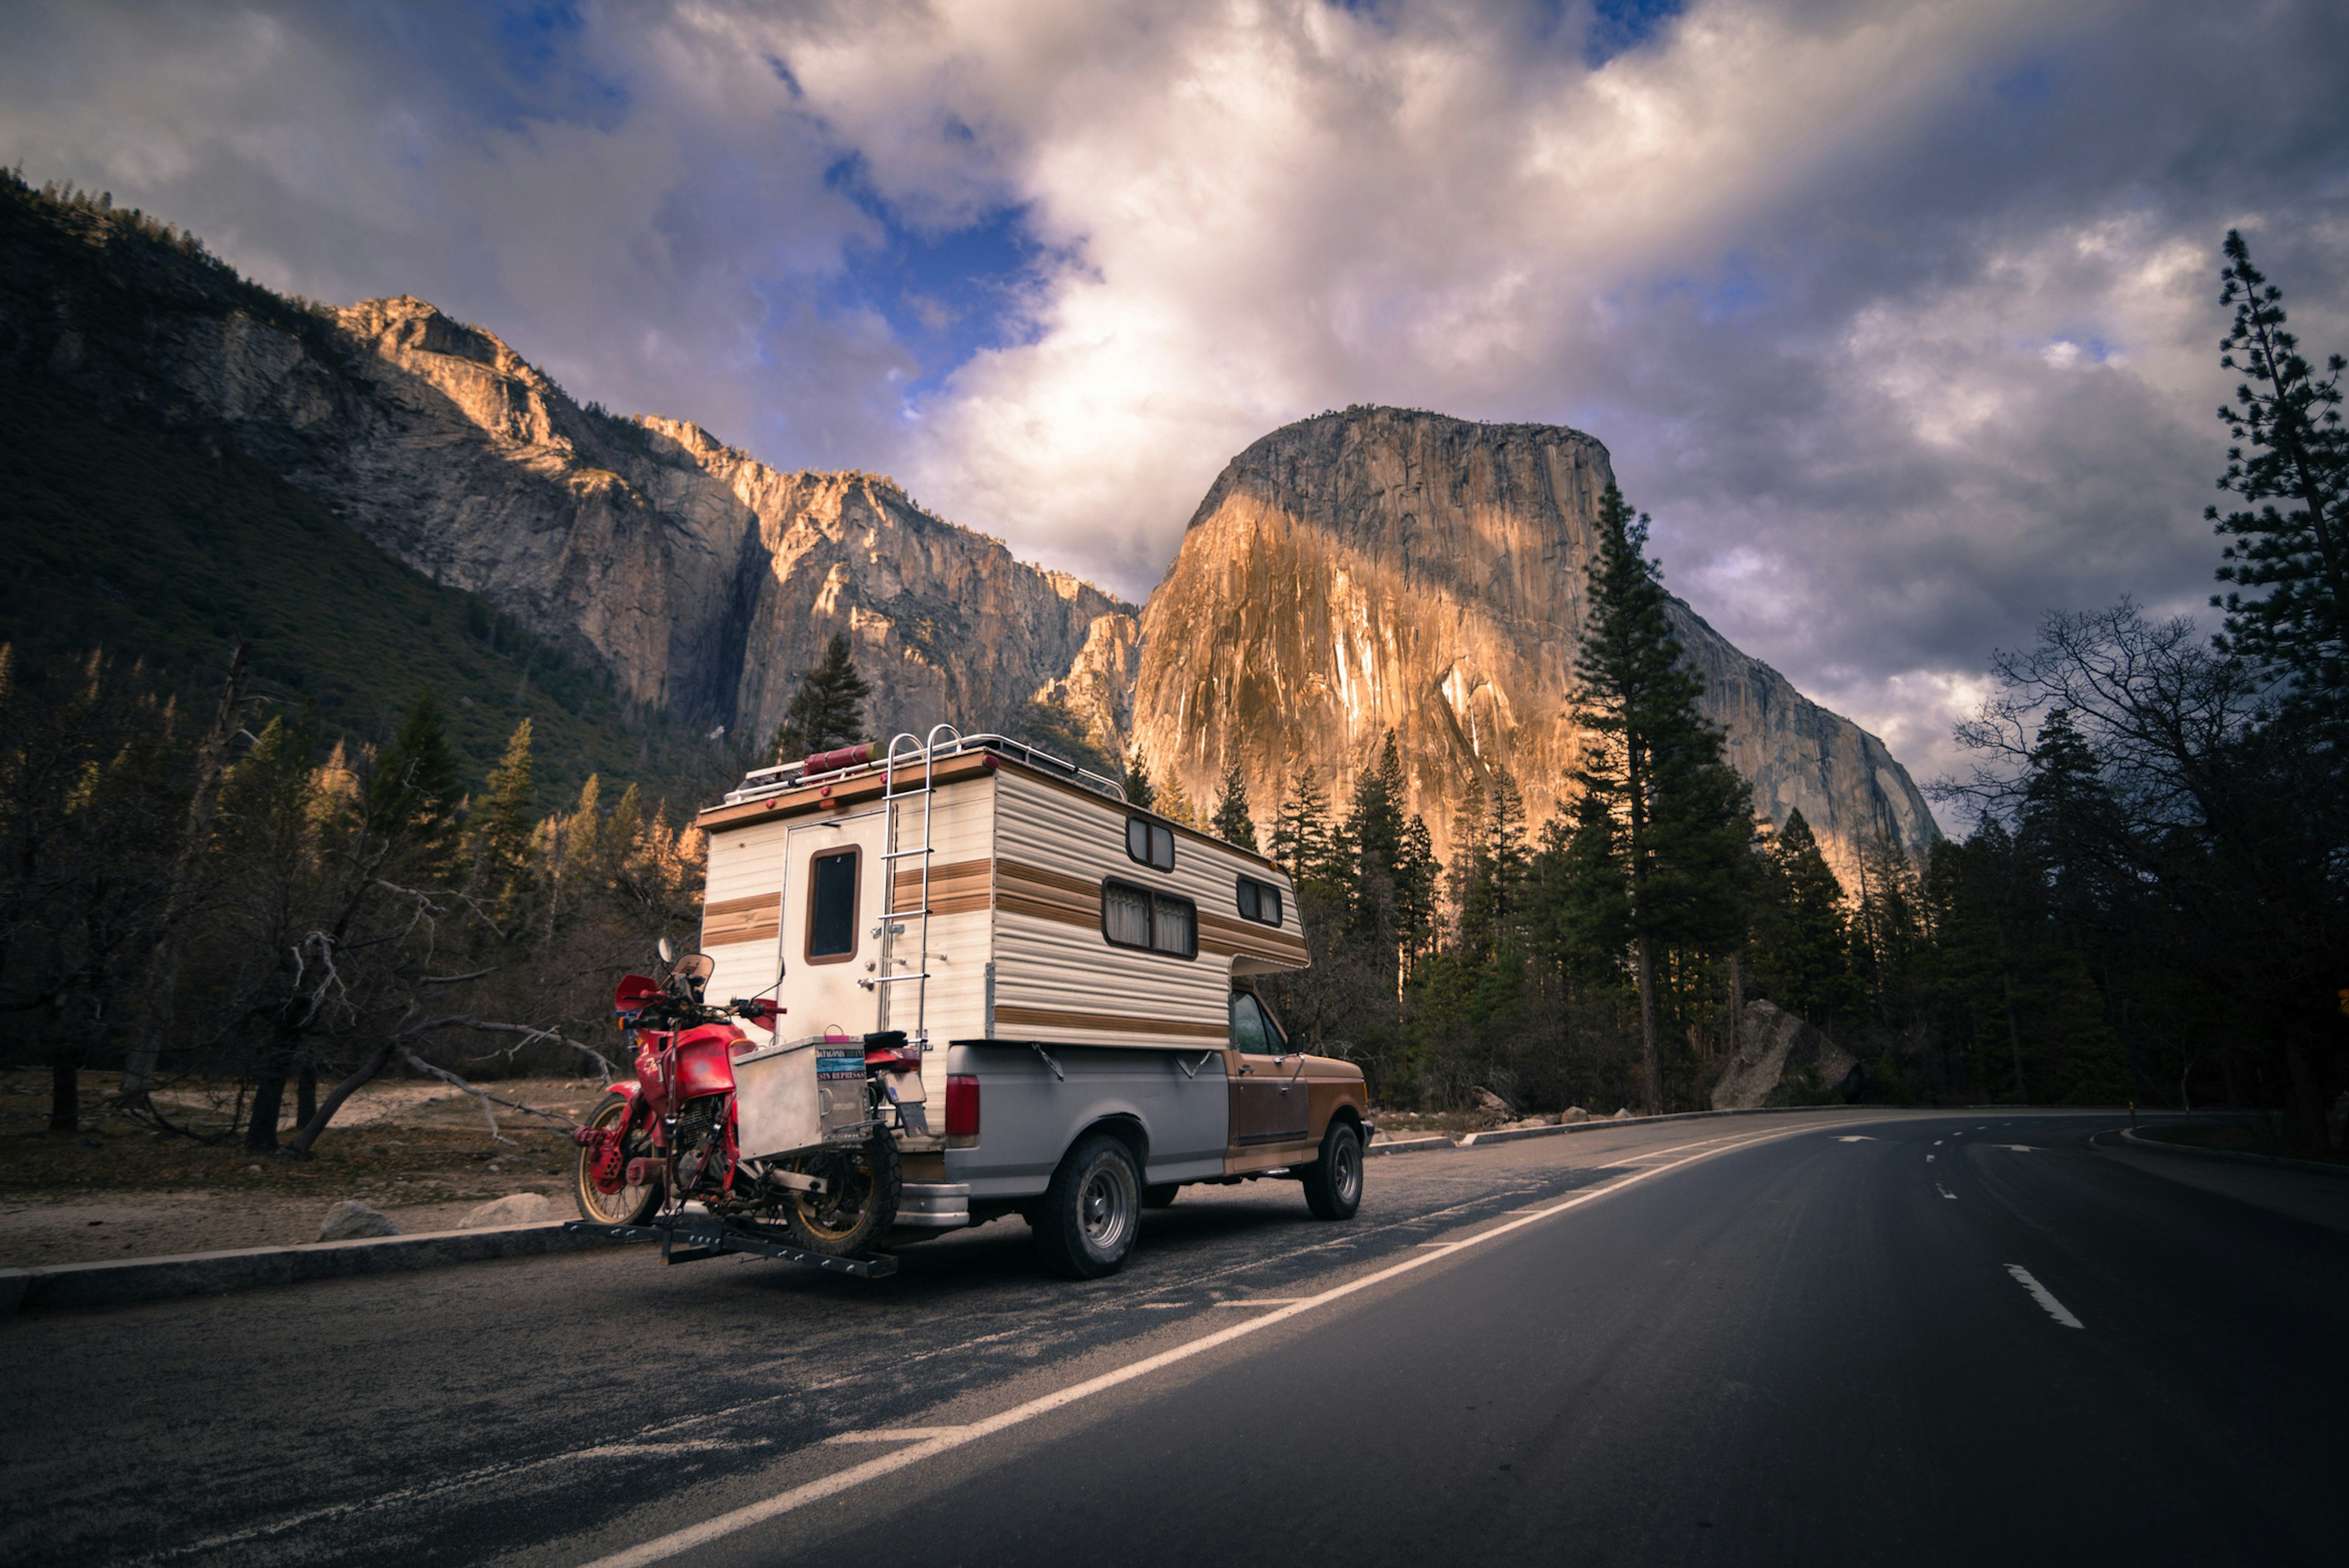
(894, 801)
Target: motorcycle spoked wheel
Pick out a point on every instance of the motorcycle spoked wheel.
(629, 1206)
(859, 1203)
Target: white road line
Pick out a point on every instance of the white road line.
(683, 1541)
(1937, 1143)
(2018, 1148)
(1855, 1139)
(897, 1435)
(1265, 1301)
(1929, 1160)
(1160, 1306)
(2044, 1297)
(1945, 1193)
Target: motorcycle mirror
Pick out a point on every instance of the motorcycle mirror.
(696, 966)
(667, 953)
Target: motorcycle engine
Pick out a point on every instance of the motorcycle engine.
(699, 1137)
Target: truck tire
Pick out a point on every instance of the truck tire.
(629, 1206)
(1086, 1221)
(860, 1201)
(1333, 1184)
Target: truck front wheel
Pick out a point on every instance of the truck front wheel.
(1086, 1221)
(1333, 1184)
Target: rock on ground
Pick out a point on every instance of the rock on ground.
(1574, 1113)
(345, 1222)
(516, 1209)
(1782, 1060)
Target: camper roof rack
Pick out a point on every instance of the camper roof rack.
(761, 782)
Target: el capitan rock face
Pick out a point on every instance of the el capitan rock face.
(1386, 570)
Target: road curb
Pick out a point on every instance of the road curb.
(211, 1274)
(2165, 1147)
(1409, 1145)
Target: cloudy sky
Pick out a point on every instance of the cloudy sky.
(1900, 317)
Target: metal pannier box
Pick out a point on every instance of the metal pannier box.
(798, 1094)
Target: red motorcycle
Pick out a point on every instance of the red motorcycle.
(669, 1137)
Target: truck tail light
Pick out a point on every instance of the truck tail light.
(962, 1109)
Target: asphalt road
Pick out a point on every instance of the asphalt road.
(1819, 1339)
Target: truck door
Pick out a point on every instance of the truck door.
(832, 906)
(1269, 1093)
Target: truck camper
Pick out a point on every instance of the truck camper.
(1036, 995)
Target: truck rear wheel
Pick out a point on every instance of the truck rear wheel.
(1333, 1184)
(1086, 1221)
(858, 1205)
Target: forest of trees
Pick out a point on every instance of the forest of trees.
(2149, 907)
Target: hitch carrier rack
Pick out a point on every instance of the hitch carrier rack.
(685, 1239)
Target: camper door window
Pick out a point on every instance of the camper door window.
(1149, 844)
(1161, 923)
(832, 906)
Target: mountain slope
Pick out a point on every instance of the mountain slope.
(703, 580)
(1383, 569)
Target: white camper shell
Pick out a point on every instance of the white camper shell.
(1069, 965)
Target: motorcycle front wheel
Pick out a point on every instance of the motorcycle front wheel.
(858, 1205)
(629, 1206)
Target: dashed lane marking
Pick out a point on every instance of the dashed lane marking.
(1945, 1193)
(1855, 1138)
(2044, 1297)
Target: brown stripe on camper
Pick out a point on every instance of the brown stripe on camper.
(759, 918)
(956, 888)
(1046, 895)
(1107, 1023)
(1220, 933)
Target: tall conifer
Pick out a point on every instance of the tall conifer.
(1663, 820)
(1231, 822)
(827, 711)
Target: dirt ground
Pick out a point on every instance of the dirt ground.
(418, 1151)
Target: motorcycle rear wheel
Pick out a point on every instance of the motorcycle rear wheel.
(629, 1206)
(859, 1203)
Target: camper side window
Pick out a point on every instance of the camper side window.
(832, 907)
(1149, 844)
(1137, 917)
(1260, 902)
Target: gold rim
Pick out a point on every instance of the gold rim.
(609, 1208)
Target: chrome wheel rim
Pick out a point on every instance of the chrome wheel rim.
(1105, 1209)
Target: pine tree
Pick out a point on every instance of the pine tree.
(1174, 803)
(502, 824)
(2290, 423)
(412, 795)
(1301, 837)
(1663, 816)
(1231, 822)
(827, 711)
(1802, 940)
(1139, 790)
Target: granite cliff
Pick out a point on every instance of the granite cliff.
(704, 580)
(1383, 570)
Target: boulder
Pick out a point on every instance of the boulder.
(1622, 1113)
(1782, 1060)
(1573, 1113)
(1492, 1110)
(516, 1209)
(347, 1222)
